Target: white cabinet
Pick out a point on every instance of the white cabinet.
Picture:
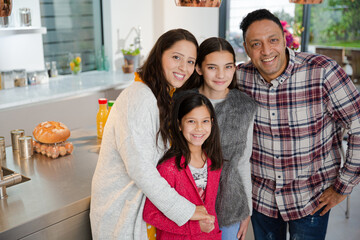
(22, 47)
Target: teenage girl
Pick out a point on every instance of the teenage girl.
(192, 166)
(136, 135)
(235, 112)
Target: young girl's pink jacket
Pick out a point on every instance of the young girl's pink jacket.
(183, 182)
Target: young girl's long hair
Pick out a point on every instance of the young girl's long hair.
(210, 45)
(184, 103)
(153, 75)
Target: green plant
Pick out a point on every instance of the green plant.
(131, 50)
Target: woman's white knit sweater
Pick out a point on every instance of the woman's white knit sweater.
(126, 170)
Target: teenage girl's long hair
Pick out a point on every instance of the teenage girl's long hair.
(210, 45)
(152, 74)
(184, 103)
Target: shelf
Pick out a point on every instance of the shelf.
(23, 30)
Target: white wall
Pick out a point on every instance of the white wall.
(119, 17)
(202, 22)
(154, 17)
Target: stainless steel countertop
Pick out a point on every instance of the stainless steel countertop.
(58, 189)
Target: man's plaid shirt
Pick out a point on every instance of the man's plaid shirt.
(297, 134)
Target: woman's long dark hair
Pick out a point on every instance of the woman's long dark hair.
(184, 103)
(152, 74)
(210, 45)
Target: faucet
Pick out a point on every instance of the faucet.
(137, 40)
(7, 182)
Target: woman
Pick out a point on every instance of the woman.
(135, 137)
(235, 113)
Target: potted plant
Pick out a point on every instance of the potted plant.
(131, 55)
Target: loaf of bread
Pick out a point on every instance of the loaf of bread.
(51, 132)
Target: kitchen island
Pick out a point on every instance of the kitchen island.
(70, 99)
(55, 202)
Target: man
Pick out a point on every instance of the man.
(305, 103)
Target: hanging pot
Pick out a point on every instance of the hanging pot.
(306, 1)
(5, 8)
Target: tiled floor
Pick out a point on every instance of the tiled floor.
(339, 226)
(342, 228)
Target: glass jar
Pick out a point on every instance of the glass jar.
(54, 71)
(7, 79)
(32, 78)
(48, 68)
(20, 79)
(75, 63)
(25, 17)
(42, 77)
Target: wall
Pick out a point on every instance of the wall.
(202, 22)
(155, 17)
(119, 17)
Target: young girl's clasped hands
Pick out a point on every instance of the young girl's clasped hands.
(192, 166)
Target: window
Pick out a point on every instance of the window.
(334, 31)
(333, 27)
(72, 27)
(236, 10)
(335, 23)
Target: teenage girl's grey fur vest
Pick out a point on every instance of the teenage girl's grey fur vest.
(234, 115)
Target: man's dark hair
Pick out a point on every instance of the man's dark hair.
(257, 15)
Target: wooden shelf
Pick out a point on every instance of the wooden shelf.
(22, 30)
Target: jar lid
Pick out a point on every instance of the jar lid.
(7, 72)
(20, 70)
(102, 100)
(25, 138)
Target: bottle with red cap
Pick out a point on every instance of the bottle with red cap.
(101, 117)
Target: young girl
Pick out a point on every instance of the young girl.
(136, 135)
(235, 112)
(192, 166)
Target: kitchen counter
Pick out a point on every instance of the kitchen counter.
(70, 99)
(67, 86)
(56, 198)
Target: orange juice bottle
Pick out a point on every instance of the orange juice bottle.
(110, 104)
(101, 117)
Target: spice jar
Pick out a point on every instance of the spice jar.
(25, 147)
(2, 149)
(20, 79)
(31, 78)
(7, 79)
(42, 77)
(54, 71)
(15, 135)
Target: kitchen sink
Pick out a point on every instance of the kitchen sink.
(7, 172)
